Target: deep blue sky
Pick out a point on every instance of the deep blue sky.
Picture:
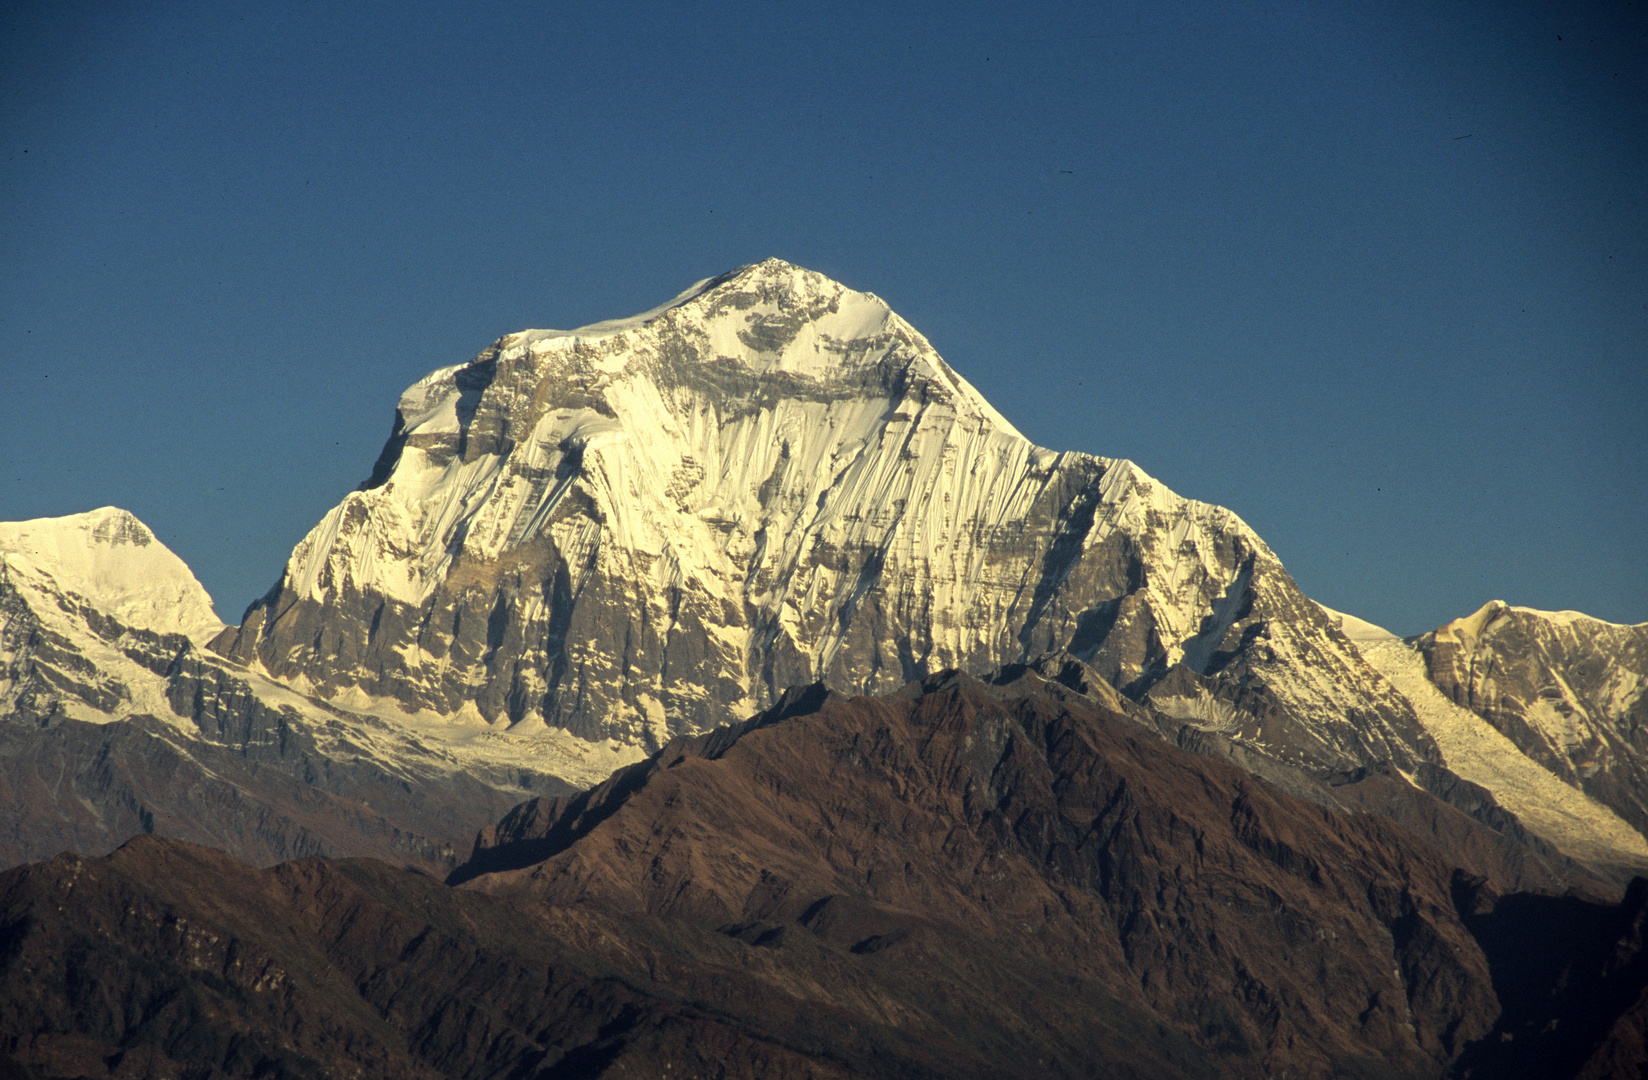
(1373, 275)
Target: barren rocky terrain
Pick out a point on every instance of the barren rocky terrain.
(965, 879)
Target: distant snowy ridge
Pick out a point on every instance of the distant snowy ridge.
(85, 600)
(1569, 690)
(1476, 751)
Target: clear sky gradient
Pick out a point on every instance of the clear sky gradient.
(1373, 275)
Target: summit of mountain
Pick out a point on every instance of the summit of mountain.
(109, 561)
(655, 525)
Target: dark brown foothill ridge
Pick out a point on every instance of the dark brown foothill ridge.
(963, 879)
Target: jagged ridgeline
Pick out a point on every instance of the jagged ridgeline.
(655, 525)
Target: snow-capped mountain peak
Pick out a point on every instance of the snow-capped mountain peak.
(90, 606)
(774, 319)
(111, 559)
(655, 524)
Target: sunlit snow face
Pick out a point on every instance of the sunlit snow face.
(112, 559)
(767, 458)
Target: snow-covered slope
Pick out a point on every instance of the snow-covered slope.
(656, 524)
(111, 561)
(90, 604)
(1562, 814)
(1569, 690)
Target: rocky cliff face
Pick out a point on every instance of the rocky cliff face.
(654, 526)
(1571, 692)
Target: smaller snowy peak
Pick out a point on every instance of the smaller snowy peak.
(1495, 615)
(114, 562)
(1571, 691)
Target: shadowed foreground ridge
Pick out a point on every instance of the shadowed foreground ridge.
(962, 879)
